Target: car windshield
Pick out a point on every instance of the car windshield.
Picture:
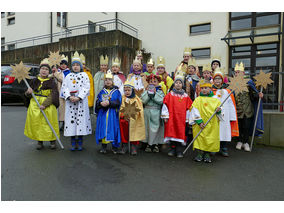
(5, 70)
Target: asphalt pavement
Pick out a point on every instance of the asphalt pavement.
(28, 174)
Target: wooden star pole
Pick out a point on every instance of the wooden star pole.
(237, 85)
(21, 72)
(129, 111)
(262, 80)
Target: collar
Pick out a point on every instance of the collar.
(211, 94)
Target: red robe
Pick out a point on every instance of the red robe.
(177, 106)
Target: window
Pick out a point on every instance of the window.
(241, 24)
(64, 19)
(2, 14)
(201, 53)
(238, 14)
(11, 46)
(267, 20)
(11, 21)
(200, 29)
(242, 50)
(11, 13)
(2, 44)
(102, 29)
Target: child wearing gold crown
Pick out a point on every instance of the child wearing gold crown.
(175, 112)
(136, 131)
(167, 81)
(119, 77)
(229, 123)
(139, 56)
(206, 75)
(45, 90)
(246, 104)
(191, 79)
(107, 110)
(183, 66)
(152, 99)
(138, 77)
(202, 109)
(99, 78)
(150, 67)
(75, 88)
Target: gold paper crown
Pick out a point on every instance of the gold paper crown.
(139, 52)
(239, 67)
(207, 67)
(45, 61)
(205, 83)
(219, 71)
(187, 51)
(76, 57)
(129, 83)
(83, 58)
(150, 62)
(108, 74)
(216, 58)
(64, 58)
(103, 60)
(136, 60)
(179, 74)
(191, 62)
(161, 61)
(116, 62)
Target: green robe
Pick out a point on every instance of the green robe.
(154, 125)
(98, 85)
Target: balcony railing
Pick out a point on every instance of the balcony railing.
(96, 27)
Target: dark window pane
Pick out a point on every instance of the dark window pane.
(11, 13)
(3, 40)
(11, 47)
(11, 21)
(246, 62)
(241, 24)
(237, 14)
(241, 51)
(267, 20)
(2, 48)
(201, 53)
(266, 49)
(265, 61)
(200, 28)
(2, 14)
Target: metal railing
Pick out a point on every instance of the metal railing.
(96, 27)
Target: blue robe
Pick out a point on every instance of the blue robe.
(259, 130)
(108, 126)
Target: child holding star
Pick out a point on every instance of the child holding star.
(75, 89)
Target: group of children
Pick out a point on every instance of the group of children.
(165, 109)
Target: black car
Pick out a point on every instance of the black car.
(11, 90)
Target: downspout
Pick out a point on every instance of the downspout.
(51, 27)
(116, 17)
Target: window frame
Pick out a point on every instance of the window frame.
(59, 24)
(201, 32)
(201, 48)
(9, 19)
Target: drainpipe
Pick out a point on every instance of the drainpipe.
(50, 27)
(116, 17)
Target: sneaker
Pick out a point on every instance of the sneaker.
(172, 152)
(179, 155)
(148, 149)
(103, 149)
(39, 145)
(199, 157)
(207, 158)
(246, 147)
(224, 152)
(156, 149)
(239, 145)
(114, 150)
(52, 145)
(123, 149)
(133, 150)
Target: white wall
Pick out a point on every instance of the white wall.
(167, 34)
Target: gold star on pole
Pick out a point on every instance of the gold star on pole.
(238, 84)
(130, 110)
(20, 72)
(263, 79)
(54, 58)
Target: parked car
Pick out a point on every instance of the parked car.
(11, 90)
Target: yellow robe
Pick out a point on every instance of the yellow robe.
(91, 96)
(137, 126)
(166, 87)
(209, 139)
(36, 127)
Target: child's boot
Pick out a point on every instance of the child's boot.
(114, 150)
(39, 145)
(133, 149)
(123, 148)
(224, 152)
(148, 148)
(103, 149)
(207, 158)
(156, 149)
(52, 145)
(199, 157)
(80, 144)
(73, 144)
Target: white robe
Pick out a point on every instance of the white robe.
(137, 80)
(118, 82)
(77, 117)
(229, 114)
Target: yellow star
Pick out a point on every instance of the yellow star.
(130, 110)
(238, 84)
(263, 79)
(54, 58)
(20, 72)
